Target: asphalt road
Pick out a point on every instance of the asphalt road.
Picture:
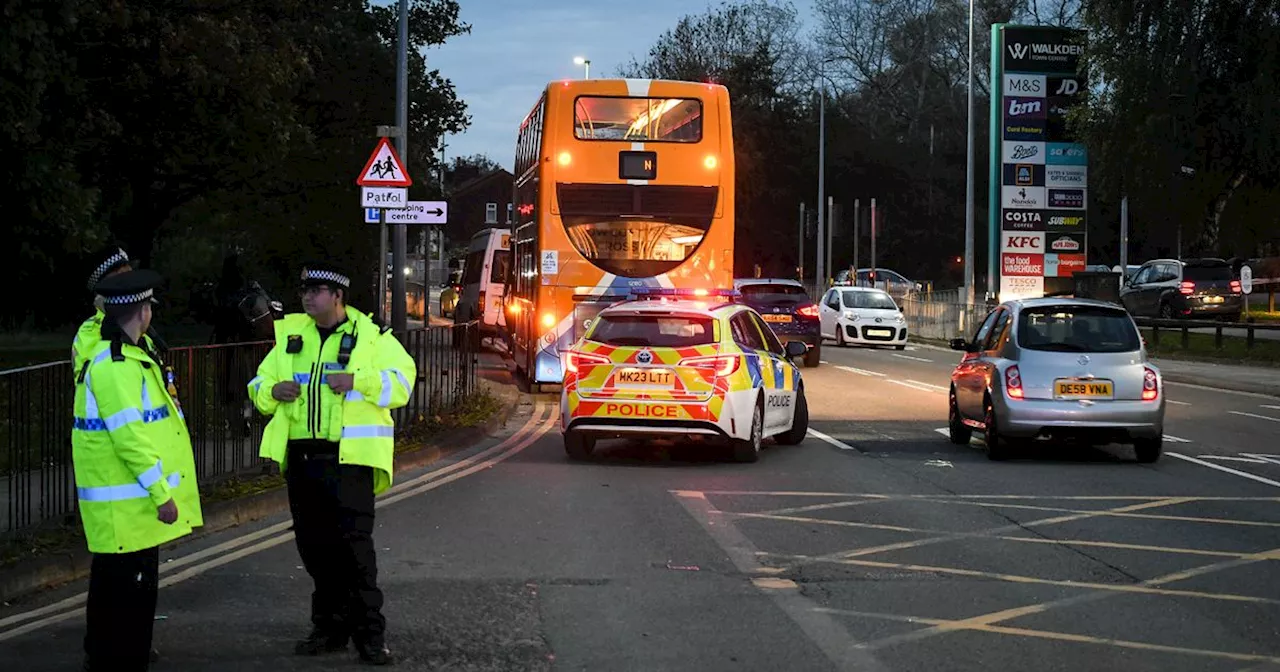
(873, 545)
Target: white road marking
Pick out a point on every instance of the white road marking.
(1254, 415)
(1173, 439)
(914, 359)
(522, 438)
(1270, 459)
(1177, 403)
(938, 463)
(1274, 408)
(831, 440)
(943, 431)
(919, 387)
(1221, 390)
(861, 372)
(1228, 470)
(940, 388)
(1230, 458)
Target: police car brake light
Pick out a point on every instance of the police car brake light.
(576, 359)
(724, 365)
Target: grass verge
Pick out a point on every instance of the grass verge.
(1201, 347)
(469, 412)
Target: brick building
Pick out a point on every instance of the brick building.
(477, 203)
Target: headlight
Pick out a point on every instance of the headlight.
(899, 318)
(850, 315)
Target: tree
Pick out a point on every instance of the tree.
(1185, 83)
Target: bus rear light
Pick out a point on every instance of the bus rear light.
(724, 365)
(710, 162)
(548, 320)
(575, 360)
(565, 158)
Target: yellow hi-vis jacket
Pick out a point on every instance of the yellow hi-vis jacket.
(87, 338)
(359, 421)
(131, 452)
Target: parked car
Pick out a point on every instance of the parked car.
(1059, 369)
(890, 281)
(483, 280)
(787, 309)
(862, 316)
(1191, 288)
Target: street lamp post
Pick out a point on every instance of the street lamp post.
(820, 277)
(969, 182)
(586, 63)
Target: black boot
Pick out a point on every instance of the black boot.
(320, 642)
(374, 652)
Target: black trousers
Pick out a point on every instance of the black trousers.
(121, 610)
(332, 507)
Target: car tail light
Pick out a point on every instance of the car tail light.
(808, 311)
(575, 360)
(1013, 382)
(1235, 287)
(1187, 287)
(1150, 385)
(724, 365)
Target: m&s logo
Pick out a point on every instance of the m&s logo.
(1018, 50)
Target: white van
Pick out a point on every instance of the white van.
(483, 279)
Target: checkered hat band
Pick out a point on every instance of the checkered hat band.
(327, 276)
(128, 298)
(118, 258)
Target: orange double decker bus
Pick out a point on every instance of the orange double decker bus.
(622, 185)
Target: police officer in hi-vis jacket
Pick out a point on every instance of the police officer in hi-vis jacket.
(329, 384)
(135, 474)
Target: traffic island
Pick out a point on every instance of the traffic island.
(56, 554)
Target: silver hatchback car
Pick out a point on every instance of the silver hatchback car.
(1057, 368)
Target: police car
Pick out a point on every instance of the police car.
(666, 364)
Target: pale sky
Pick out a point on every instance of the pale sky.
(517, 46)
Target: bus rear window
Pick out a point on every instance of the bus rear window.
(658, 331)
(637, 119)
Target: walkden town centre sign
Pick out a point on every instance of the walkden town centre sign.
(1039, 186)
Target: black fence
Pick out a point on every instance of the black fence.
(37, 480)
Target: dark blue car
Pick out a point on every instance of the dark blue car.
(787, 308)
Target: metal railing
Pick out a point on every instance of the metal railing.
(1185, 326)
(37, 479)
(941, 315)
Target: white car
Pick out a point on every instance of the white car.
(862, 316)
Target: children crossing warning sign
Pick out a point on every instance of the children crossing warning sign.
(384, 169)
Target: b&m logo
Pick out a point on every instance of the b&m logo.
(1025, 108)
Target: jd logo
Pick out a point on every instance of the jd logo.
(1067, 87)
(1017, 109)
(1018, 50)
(1023, 242)
(1024, 151)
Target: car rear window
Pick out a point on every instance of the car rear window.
(1077, 329)
(761, 291)
(1206, 273)
(869, 300)
(659, 331)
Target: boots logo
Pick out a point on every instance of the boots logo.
(1021, 109)
(1018, 50)
(1024, 152)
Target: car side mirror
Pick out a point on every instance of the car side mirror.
(796, 349)
(959, 344)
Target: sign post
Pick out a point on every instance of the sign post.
(1246, 286)
(384, 184)
(1039, 183)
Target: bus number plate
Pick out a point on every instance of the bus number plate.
(637, 165)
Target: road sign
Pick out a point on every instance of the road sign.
(1246, 279)
(384, 169)
(372, 216)
(420, 212)
(384, 197)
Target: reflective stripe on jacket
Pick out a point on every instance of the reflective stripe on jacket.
(359, 421)
(131, 453)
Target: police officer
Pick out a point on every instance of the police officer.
(135, 474)
(107, 262)
(329, 384)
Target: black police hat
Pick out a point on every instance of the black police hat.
(130, 287)
(322, 273)
(106, 260)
